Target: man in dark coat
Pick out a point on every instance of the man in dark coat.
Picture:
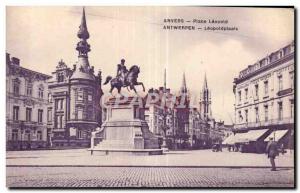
(272, 151)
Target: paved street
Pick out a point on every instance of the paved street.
(198, 168)
(81, 157)
(147, 177)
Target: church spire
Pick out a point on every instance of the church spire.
(205, 100)
(205, 82)
(183, 86)
(165, 80)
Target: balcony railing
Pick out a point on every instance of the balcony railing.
(284, 92)
(24, 97)
(287, 120)
(25, 123)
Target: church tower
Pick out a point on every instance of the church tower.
(205, 101)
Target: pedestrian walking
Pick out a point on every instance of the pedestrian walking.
(272, 151)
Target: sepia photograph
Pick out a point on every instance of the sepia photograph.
(150, 97)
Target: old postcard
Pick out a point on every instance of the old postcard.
(152, 96)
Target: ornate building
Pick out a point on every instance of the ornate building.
(181, 115)
(74, 97)
(159, 112)
(26, 107)
(264, 99)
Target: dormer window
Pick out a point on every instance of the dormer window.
(280, 53)
(60, 77)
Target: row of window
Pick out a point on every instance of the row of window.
(16, 113)
(29, 90)
(26, 137)
(81, 98)
(58, 118)
(88, 114)
(266, 88)
(266, 113)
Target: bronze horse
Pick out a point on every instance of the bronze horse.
(130, 80)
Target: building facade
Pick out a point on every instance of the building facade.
(264, 96)
(26, 107)
(181, 116)
(74, 98)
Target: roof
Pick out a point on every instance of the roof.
(82, 75)
(45, 76)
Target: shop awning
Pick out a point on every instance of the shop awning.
(232, 139)
(229, 140)
(277, 135)
(253, 135)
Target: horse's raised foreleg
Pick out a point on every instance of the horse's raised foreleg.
(133, 88)
(140, 83)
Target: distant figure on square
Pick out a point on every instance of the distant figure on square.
(272, 151)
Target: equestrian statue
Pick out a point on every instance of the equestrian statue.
(125, 78)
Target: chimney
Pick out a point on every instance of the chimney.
(7, 58)
(15, 61)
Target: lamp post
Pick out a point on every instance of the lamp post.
(22, 131)
(164, 129)
(164, 146)
(164, 126)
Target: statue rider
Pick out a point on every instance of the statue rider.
(122, 71)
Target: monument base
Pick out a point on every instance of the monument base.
(127, 151)
(125, 131)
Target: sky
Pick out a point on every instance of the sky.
(42, 36)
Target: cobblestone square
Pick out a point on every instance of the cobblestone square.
(199, 168)
(147, 177)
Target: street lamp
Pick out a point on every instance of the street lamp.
(164, 126)
(164, 129)
(22, 131)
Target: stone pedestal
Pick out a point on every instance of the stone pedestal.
(125, 130)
